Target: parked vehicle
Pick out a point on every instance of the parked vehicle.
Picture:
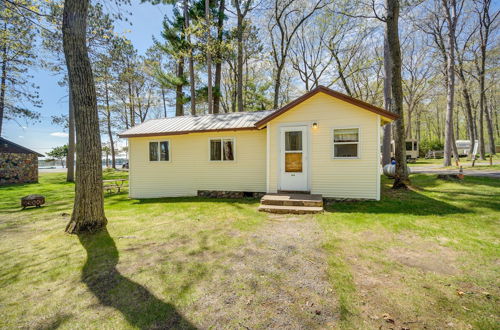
(125, 165)
(412, 149)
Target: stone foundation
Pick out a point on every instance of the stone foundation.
(331, 200)
(229, 194)
(18, 168)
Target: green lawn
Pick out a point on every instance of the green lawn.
(427, 257)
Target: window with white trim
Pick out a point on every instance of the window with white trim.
(159, 151)
(346, 143)
(222, 149)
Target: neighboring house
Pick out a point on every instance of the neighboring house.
(17, 163)
(324, 143)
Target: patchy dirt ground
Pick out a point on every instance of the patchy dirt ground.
(277, 279)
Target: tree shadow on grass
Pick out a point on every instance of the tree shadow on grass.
(139, 306)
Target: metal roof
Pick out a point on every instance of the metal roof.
(192, 124)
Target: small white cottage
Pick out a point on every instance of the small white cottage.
(324, 142)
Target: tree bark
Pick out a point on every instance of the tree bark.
(3, 83)
(277, 86)
(239, 65)
(70, 159)
(386, 140)
(209, 58)
(164, 102)
(108, 126)
(218, 65)
(192, 82)
(179, 95)
(401, 178)
(88, 210)
(451, 17)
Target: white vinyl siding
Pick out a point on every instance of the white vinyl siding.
(336, 178)
(190, 168)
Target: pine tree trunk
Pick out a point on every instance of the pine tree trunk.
(386, 140)
(209, 59)
(239, 65)
(70, 160)
(88, 211)
(179, 95)
(3, 83)
(192, 82)
(108, 126)
(218, 65)
(401, 178)
(164, 102)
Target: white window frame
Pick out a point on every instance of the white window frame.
(222, 149)
(357, 143)
(159, 153)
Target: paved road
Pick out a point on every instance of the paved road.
(495, 174)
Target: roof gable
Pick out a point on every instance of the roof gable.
(11, 147)
(361, 104)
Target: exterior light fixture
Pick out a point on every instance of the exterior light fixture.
(315, 125)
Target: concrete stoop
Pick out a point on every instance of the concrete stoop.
(291, 203)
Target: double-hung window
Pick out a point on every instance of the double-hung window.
(346, 143)
(159, 151)
(222, 149)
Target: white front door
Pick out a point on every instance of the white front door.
(294, 158)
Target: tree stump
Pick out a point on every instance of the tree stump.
(32, 200)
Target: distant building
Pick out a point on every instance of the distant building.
(17, 163)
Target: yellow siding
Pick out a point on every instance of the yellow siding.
(339, 178)
(190, 169)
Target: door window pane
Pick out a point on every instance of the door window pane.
(153, 151)
(215, 150)
(228, 150)
(164, 152)
(293, 162)
(293, 141)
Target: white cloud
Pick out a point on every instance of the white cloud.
(21, 137)
(59, 134)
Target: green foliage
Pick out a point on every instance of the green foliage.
(428, 145)
(18, 45)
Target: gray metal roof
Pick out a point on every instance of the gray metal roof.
(191, 124)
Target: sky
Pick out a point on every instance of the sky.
(42, 136)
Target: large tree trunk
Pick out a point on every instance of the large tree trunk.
(88, 210)
(131, 104)
(179, 95)
(401, 178)
(277, 87)
(239, 65)
(209, 58)
(386, 140)
(192, 82)
(70, 160)
(218, 65)
(3, 83)
(164, 102)
(449, 141)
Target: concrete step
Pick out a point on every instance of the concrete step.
(290, 209)
(292, 200)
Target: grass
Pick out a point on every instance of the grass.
(427, 257)
(466, 163)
